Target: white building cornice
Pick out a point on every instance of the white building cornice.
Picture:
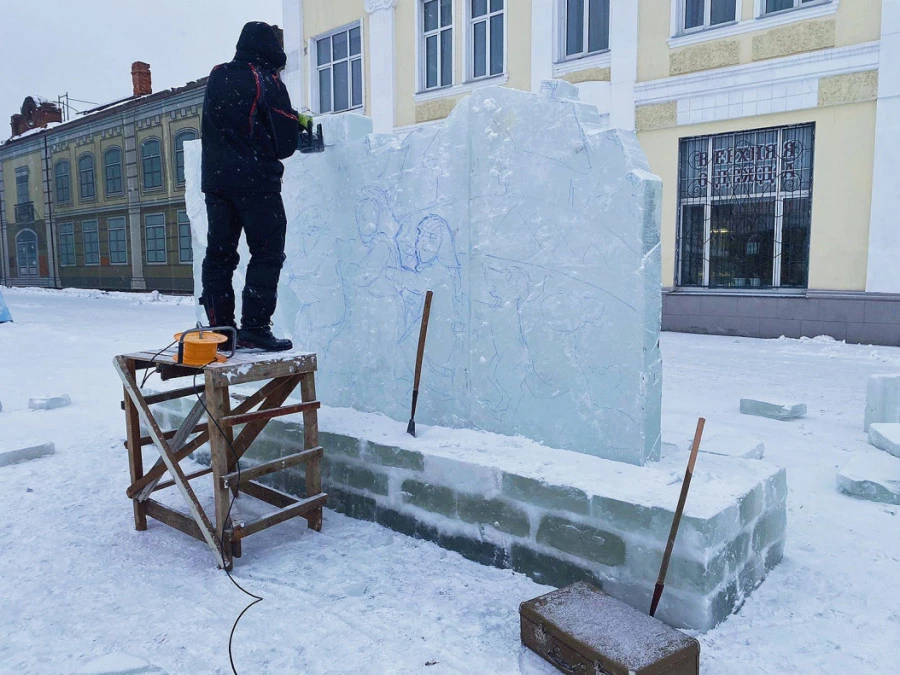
(373, 6)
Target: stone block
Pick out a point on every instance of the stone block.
(553, 497)
(885, 437)
(388, 456)
(874, 476)
(882, 400)
(494, 512)
(775, 411)
(8, 457)
(430, 497)
(549, 570)
(581, 540)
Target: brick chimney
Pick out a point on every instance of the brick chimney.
(140, 78)
(34, 115)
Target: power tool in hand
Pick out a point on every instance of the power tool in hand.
(310, 141)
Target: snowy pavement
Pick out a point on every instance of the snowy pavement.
(77, 582)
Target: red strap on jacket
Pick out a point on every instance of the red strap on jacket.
(256, 100)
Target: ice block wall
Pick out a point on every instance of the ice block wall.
(538, 231)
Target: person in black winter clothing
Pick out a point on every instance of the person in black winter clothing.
(248, 127)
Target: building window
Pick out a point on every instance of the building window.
(22, 191)
(118, 248)
(63, 183)
(587, 27)
(745, 206)
(486, 38)
(155, 231)
(86, 177)
(339, 68)
(437, 43)
(185, 244)
(772, 6)
(67, 244)
(90, 242)
(699, 14)
(112, 168)
(180, 139)
(151, 159)
(26, 253)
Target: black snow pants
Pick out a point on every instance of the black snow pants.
(262, 218)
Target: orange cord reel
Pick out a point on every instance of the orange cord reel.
(200, 346)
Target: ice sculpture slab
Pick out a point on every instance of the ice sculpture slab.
(537, 230)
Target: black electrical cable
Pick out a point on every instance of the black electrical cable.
(237, 463)
(148, 372)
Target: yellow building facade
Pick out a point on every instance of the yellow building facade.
(771, 123)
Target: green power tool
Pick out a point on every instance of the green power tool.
(310, 141)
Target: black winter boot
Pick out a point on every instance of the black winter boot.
(262, 338)
(220, 312)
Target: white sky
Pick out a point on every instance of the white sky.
(87, 47)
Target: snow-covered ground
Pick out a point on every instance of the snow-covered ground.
(77, 582)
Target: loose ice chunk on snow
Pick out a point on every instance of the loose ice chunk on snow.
(49, 402)
(885, 437)
(775, 411)
(745, 447)
(882, 399)
(872, 475)
(120, 664)
(24, 454)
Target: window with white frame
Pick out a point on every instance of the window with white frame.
(587, 27)
(185, 246)
(118, 247)
(155, 236)
(63, 184)
(771, 6)
(67, 244)
(700, 14)
(437, 43)
(180, 139)
(339, 70)
(90, 242)
(486, 38)
(112, 167)
(745, 208)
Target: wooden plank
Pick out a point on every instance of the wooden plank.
(146, 440)
(271, 467)
(268, 495)
(267, 415)
(171, 395)
(179, 441)
(190, 476)
(311, 440)
(159, 468)
(173, 518)
(132, 442)
(303, 506)
(255, 367)
(181, 483)
(219, 404)
(253, 429)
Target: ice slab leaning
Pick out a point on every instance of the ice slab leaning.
(8, 457)
(882, 399)
(874, 476)
(775, 411)
(540, 242)
(885, 437)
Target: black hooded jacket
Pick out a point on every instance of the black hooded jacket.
(248, 122)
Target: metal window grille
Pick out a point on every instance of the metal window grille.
(437, 43)
(90, 242)
(155, 232)
(152, 165)
(113, 169)
(86, 176)
(339, 64)
(587, 27)
(486, 37)
(745, 208)
(118, 247)
(67, 245)
(63, 183)
(185, 245)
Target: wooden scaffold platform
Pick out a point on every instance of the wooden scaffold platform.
(278, 376)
